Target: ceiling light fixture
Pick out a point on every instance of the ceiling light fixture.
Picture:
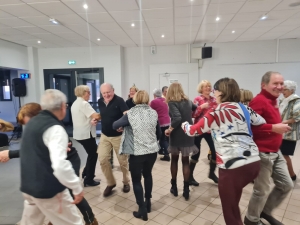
(39, 42)
(163, 36)
(132, 24)
(98, 39)
(54, 21)
(263, 17)
(218, 18)
(85, 6)
(233, 31)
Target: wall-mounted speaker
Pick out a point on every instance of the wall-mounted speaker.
(206, 52)
(19, 87)
(201, 53)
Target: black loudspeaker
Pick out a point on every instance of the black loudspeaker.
(206, 52)
(19, 87)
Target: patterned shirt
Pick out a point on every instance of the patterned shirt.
(199, 100)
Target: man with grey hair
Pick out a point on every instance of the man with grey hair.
(160, 106)
(268, 138)
(45, 172)
(112, 108)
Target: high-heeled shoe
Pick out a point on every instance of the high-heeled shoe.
(148, 204)
(142, 213)
(174, 189)
(186, 190)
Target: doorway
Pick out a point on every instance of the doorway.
(66, 80)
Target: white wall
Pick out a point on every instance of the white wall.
(13, 55)
(138, 61)
(248, 61)
(107, 57)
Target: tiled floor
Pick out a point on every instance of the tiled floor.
(203, 208)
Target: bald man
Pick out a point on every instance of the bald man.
(111, 109)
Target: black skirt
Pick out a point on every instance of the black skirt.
(288, 147)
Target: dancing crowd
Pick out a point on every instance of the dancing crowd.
(250, 140)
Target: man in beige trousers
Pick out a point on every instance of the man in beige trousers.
(111, 109)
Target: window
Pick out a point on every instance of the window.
(5, 86)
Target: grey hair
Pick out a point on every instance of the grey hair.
(52, 100)
(291, 85)
(157, 92)
(112, 87)
(267, 77)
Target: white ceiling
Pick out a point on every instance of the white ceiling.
(181, 22)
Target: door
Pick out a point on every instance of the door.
(168, 78)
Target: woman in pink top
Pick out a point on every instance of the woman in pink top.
(205, 102)
(160, 106)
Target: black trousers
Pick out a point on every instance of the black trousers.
(138, 166)
(164, 141)
(90, 147)
(209, 141)
(83, 206)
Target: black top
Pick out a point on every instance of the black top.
(37, 178)
(123, 122)
(181, 112)
(130, 103)
(110, 113)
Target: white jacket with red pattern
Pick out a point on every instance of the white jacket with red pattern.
(230, 126)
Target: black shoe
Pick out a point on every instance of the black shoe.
(212, 175)
(142, 213)
(186, 190)
(174, 189)
(160, 152)
(193, 182)
(248, 222)
(148, 204)
(294, 177)
(270, 219)
(165, 158)
(90, 184)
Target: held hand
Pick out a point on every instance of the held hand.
(69, 146)
(280, 128)
(186, 128)
(78, 198)
(167, 132)
(120, 129)
(4, 156)
(204, 105)
(94, 122)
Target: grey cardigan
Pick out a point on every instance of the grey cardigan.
(181, 112)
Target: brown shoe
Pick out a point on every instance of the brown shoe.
(95, 222)
(108, 190)
(126, 188)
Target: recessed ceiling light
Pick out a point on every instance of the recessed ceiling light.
(263, 17)
(98, 39)
(163, 36)
(132, 24)
(218, 18)
(233, 31)
(39, 42)
(54, 21)
(85, 6)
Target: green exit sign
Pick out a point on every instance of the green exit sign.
(72, 62)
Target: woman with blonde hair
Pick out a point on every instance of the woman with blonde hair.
(180, 110)
(204, 103)
(246, 96)
(84, 131)
(130, 102)
(139, 140)
(290, 113)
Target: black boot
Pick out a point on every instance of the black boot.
(142, 213)
(165, 158)
(148, 204)
(212, 175)
(186, 190)
(174, 189)
(192, 180)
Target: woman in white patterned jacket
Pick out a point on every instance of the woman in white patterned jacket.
(139, 140)
(237, 154)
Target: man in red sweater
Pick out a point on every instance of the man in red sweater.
(268, 138)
